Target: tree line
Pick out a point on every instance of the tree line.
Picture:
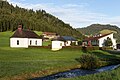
(39, 20)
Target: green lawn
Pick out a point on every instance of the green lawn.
(19, 63)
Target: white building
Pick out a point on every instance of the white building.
(49, 35)
(24, 38)
(58, 43)
(100, 40)
(69, 40)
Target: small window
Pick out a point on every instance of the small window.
(17, 42)
(60, 44)
(67, 42)
(30, 42)
(36, 42)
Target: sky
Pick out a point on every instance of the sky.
(77, 13)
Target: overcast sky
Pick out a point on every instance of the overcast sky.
(77, 13)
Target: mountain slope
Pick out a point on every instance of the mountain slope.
(39, 20)
(97, 28)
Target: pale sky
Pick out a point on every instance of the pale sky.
(77, 13)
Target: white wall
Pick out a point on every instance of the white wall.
(23, 42)
(114, 44)
(76, 42)
(68, 43)
(101, 41)
(57, 45)
(33, 42)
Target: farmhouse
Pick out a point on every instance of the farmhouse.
(99, 40)
(61, 41)
(49, 35)
(24, 38)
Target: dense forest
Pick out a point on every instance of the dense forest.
(96, 28)
(39, 20)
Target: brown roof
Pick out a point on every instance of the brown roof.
(49, 33)
(24, 34)
(96, 38)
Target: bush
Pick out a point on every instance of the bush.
(108, 42)
(73, 43)
(80, 43)
(89, 61)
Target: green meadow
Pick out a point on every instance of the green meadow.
(20, 63)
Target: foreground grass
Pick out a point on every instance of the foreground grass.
(18, 63)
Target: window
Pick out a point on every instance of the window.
(60, 44)
(67, 42)
(30, 42)
(36, 42)
(17, 42)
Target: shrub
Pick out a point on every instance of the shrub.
(73, 43)
(89, 61)
(108, 42)
(79, 43)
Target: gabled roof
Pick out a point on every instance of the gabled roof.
(58, 39)
(96, 38)
(69, 38)
(24, 34)
(64, 38)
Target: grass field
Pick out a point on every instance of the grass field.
(19, 63)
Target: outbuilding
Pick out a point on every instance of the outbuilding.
(61, 41)
(57, 44)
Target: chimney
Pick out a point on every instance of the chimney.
(20, 28)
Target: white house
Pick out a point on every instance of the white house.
(68, 40)
(59, 42)
(99, 40)
(24, 38)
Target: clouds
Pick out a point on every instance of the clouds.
(77, 15)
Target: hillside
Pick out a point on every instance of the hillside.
(38, 20)
(97, 28)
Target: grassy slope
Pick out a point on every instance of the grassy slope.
(24, 62)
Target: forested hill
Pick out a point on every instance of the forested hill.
(38, 20)
(96, 28)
